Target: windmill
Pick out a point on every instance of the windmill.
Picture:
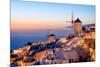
(72, 18)
(70, 22)
(48, 31)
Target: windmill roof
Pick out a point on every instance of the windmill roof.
(77, 20)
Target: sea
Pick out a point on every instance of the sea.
(20, 41)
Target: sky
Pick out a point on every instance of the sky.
(36, 16)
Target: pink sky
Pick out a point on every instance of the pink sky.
(32, 25)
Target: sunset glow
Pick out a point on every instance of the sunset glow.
(30, 16)
(36, 26)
